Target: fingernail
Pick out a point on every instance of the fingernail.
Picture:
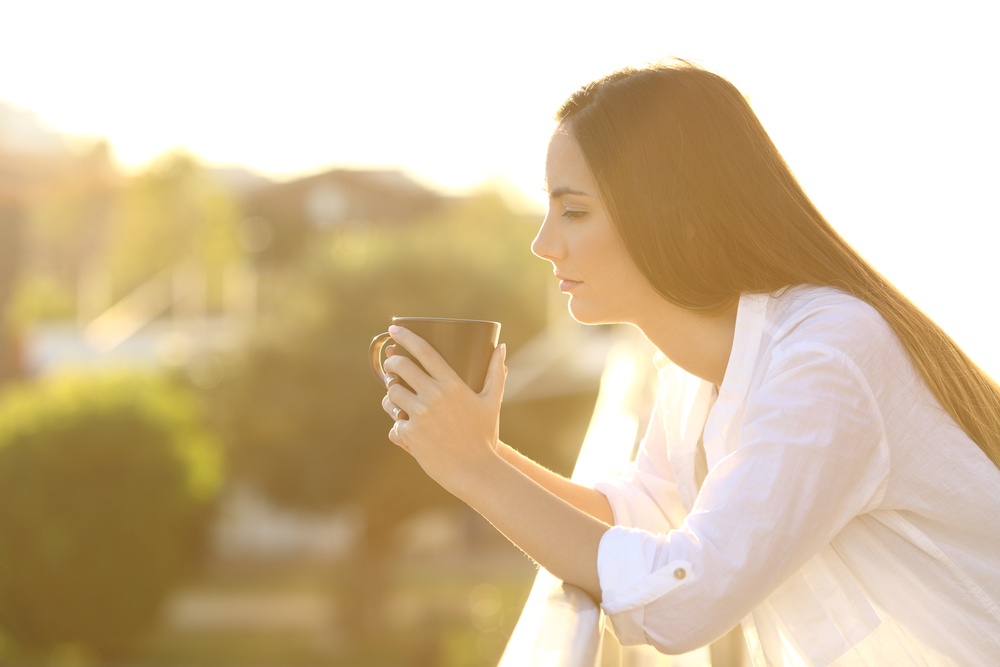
(389, 377)
(393, 329)
(503, 351)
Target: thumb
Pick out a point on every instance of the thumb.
(496, 375)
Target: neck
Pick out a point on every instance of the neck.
(698, 343)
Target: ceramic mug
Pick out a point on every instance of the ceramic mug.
(466, 345)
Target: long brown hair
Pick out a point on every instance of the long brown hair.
(708, 210)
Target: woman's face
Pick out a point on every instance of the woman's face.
(593, 267)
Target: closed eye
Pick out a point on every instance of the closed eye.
(573, 214)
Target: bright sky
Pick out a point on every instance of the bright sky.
(885, 110)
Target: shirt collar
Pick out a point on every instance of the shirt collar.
(750, 315)
(750, 320)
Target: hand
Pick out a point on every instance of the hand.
(445, 425)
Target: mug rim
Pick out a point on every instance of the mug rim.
(441, 319)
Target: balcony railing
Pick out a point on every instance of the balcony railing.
(560, 625)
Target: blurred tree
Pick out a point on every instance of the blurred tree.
(52, 206)
(175, 212)
(40, 296)
(92, 237)
(106, 486)
(66, 205)
(11, 224)
(69, 214)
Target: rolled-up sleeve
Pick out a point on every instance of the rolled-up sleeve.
(811, 454)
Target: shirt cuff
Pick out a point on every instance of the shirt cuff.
(630, 578)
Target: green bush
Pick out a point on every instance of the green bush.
(106, 487)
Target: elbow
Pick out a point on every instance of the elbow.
(677, 645)
(683, 631)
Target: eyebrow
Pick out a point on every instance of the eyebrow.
(559, 192)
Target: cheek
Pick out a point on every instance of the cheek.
(627, 270)
(606, 257)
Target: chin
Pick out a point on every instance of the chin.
(584, 315)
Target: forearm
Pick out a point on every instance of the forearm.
(558, 536)
(584, 498)
(451, 432)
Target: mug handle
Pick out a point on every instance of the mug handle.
(375, 356)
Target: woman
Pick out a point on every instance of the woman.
(834, 484)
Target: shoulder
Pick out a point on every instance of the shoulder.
(825, 316)
(805, 323)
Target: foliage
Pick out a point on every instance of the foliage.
(65, 208)
(106, 486)
(99, 230)
(39, 296)
(173, 212)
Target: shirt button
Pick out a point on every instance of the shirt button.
(679, 573)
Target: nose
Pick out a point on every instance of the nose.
(548, 243)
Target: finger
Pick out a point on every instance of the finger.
(399, 428)
(421, 350)
(407, 369)
(393, 410)
(395, 439)
(390, 350)
(496, 375)
(403, 398)
(391, 379)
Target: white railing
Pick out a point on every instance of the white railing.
(560, 625)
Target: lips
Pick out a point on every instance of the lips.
(567, 285)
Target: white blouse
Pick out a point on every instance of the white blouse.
(845, 518)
